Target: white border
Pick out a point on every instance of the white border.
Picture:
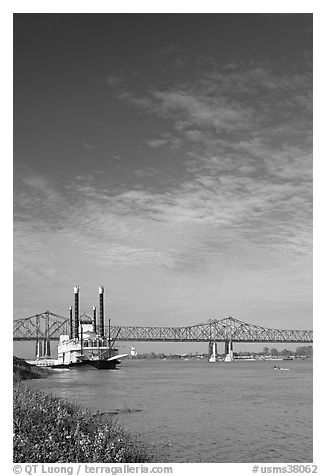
(99, 6)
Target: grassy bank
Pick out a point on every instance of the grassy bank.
(49, 429)
(22, 370)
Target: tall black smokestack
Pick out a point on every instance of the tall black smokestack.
(76, 291)
(101, 296)
(71, 331)
(94, 319)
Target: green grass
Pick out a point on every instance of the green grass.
(49, 429)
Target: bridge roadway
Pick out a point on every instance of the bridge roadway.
(50, 326)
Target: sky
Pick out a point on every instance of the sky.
(168, 158)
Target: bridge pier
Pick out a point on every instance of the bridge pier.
(42, 350)
(228, 351)
(212, 351)
(47, 348)
(38, 349)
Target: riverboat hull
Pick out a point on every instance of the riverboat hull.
(87, 364)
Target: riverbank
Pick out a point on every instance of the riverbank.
(23, 371)
(50, 429)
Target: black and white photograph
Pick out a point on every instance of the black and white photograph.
(162, 242)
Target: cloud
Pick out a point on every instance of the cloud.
(241, 135)
(248, 119)
(89, 146)
(218, 202)
(155, 143)
(167, 139)
(201, 110)
(147, 172)
(114, 79)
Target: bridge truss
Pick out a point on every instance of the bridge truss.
(46, 325)
(50, 326)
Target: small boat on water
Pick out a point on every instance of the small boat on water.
(277, 367)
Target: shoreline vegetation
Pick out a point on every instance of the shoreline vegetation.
(50, 429)
(25, 371)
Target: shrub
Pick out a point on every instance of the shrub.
(49, 429)
(23, 370)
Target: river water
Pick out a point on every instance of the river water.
(195, 411)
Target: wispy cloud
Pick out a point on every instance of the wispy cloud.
(249, 120)
(140, 226)
(89, 146)
(246, 181)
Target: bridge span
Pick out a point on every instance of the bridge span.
(50, 326)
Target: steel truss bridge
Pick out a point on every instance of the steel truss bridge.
(49, 326)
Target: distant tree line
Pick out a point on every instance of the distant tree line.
(160, 355)
(304, 351)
